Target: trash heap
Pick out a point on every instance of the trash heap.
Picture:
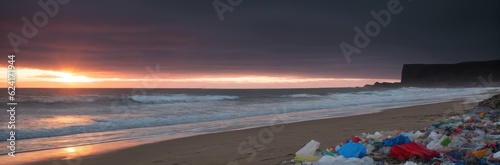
(472, 138)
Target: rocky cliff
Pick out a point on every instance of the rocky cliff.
(450, 75)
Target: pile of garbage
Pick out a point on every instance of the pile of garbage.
(472, 138)
(492, 102)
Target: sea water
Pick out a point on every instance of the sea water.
(54, 118)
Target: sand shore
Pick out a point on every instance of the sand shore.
(222, 148)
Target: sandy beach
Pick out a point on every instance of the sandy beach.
(222, 148)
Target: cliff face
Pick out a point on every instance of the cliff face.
(460, 74)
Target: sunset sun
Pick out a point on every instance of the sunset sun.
(67, 77)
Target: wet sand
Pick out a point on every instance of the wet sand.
(270, 145)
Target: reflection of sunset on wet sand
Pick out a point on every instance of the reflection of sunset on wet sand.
(68, 154)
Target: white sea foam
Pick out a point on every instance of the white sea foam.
(62, 99)
(302, 95)
(178, 98)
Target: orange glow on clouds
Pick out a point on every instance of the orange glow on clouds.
(262, 79)
(55, 79)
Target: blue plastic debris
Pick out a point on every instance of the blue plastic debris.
(352, 150)
(400, 139)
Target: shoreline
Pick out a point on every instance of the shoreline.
(224, 147)
(291, 117)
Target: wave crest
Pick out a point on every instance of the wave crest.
(178, 98)
(302, 95)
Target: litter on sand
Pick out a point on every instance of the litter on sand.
(472, 138)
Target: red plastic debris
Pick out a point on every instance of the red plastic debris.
(355, 139)
(490, 145)
(412, 149)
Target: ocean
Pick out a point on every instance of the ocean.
(55, 118)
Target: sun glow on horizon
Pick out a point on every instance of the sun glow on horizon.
(70, 149)
(29, 74)
(67, 77)
(50, 78)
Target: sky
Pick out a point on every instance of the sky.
(238, 43)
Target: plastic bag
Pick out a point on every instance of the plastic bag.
(480, 134)
(375, 136)
(434, 136)
(329, 160)
(496, 155)
(410, 163)
(400, 139)
(458, 142)
(415, 135)
(480, 153)
(406, 151)
(306, 153)
(418, 134)
(385, 150)
(352, 150)
(370, 148)
(445, 141)
(355, 139)
(434, 145)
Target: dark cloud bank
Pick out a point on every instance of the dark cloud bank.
(284, 37)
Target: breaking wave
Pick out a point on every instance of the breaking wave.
(178, 98)
(302, 95)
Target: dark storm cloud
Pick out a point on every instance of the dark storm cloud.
(286, 37)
